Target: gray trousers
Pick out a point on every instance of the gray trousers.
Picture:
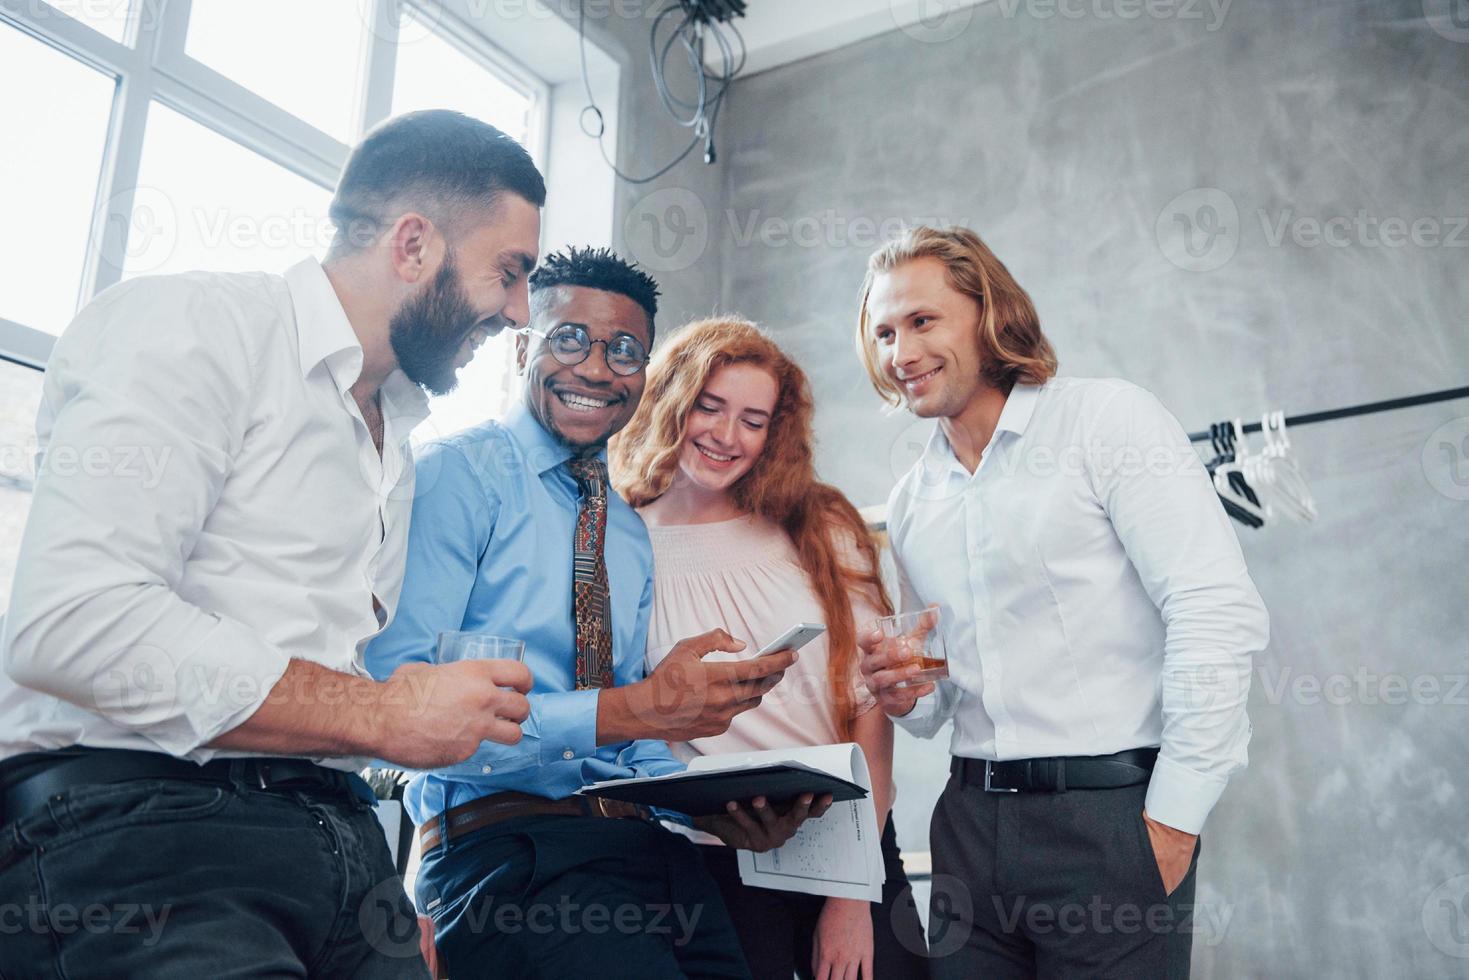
(1052, 885)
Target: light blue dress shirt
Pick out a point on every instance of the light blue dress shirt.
(490, 550)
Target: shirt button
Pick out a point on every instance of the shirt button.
(568, 754)
(486, 769)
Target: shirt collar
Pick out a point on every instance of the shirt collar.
(543, 451)
(323, 331)
(1019, 407)
(324, 335)
(939, 458)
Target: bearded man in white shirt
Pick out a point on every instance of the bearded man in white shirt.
(1099, 621)
(184, 703)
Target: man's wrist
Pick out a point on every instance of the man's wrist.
(905, 713)
(373, 728)
(1167, 828)
(920, 716)
(616, 721)
(290, 721)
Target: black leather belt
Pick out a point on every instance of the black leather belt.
(56, 772)
(1057, 774)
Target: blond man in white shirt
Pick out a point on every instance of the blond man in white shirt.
(1099, 620)
(183, 702)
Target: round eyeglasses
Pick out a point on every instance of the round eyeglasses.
(571, 344)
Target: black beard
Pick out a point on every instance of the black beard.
(428, 330)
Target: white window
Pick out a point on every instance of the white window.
(50, 159)
(203, 201)
(438, 70)
(307, 58)
(20, 397)
(448, 71)
(153, 136)
(107, 17)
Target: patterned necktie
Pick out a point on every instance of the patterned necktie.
(591, 604)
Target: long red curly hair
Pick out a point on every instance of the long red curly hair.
(781, 487)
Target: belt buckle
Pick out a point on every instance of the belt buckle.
(262, 774)
(989, 787)
(602, 806)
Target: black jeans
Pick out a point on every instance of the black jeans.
(778, 928)
(1052, 885)
(165, 879)
(558, 897)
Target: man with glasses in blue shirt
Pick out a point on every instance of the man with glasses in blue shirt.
(516, 531)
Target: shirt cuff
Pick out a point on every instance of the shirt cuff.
(1180, 797)
(656, 767)
(920, 721)
(565, 723)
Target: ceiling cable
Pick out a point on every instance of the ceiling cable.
(700, 23)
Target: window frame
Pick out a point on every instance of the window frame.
(151, 64)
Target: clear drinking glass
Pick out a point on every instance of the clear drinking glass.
(467, 645)
(918, 635)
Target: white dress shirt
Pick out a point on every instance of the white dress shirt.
(1092, 593)
(209, 505)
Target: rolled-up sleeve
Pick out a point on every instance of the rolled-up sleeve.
(1163, 507)
(146, 401)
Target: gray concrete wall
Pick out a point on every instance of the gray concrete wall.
(663, 223)
(1085, 148)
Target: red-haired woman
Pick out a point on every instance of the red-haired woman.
(718, 460)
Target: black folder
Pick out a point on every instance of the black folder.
(701, 794)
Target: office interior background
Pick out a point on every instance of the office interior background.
(1241, 205)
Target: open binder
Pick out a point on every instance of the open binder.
(839, 854)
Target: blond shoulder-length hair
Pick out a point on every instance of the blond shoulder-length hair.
(1010, 338)
(834, 547)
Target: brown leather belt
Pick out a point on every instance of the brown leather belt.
(492, 809)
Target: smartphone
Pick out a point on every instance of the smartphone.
(794, 638)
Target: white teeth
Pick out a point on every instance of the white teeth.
(581, 403)
(714, 456)
(921, 377)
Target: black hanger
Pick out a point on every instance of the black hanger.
(1221, 434)
(1237, 479)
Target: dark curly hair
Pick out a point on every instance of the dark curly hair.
(594, 268)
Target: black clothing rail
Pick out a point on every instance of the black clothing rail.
(1428, 398)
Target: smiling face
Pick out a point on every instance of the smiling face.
(926, 335)
(585, 404)
(477, 291)
(727, 426)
